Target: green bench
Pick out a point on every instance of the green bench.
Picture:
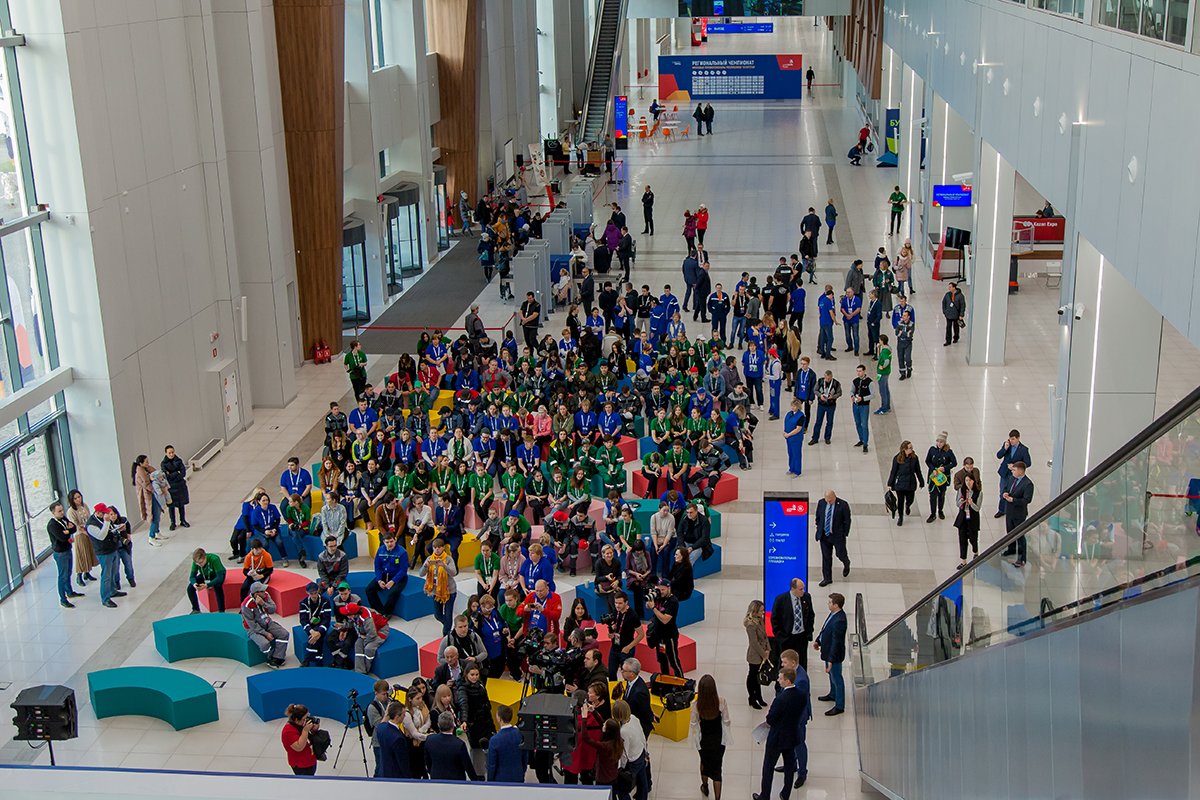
(203, 636)
(172, 695)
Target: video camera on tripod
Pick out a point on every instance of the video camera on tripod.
(557, 666)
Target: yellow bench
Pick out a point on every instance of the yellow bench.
(504, 692)
(467, 552)
(674, 725)
(373, 542)
(318, 502)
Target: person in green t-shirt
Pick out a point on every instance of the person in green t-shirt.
(897, 199)
(883, 369)
(356, 367)
(207, 573)
(487, 570)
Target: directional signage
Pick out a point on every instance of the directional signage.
(741, 27)
(785, 541)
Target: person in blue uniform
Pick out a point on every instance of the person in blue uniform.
(774, 381)
(793, 432)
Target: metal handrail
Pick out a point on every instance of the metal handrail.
(622, 27)
(1178, 413)
(587, 87)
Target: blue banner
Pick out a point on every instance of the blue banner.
(891, 132)
(741, 27)
(951, 196)
(785, 542)
(687, 78)
(621, 121)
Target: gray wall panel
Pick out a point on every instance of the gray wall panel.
(1102, 708)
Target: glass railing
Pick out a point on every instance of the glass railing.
(1128, 526)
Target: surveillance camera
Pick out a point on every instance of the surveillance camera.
(1064, 309)
(1079, 311)
(962, 177)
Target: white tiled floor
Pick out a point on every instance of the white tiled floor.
(764, 165)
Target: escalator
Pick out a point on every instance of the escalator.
(601, 69)
(1075, 676)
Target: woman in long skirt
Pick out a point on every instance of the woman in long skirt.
(85, 558)
(793, 431)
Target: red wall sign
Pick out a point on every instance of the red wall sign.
(1051, 229)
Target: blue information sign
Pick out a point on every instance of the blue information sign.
(785, 542)
(621, 120)
(951, 196)
(741, 27)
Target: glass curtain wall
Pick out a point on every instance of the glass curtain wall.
(35, 447)
(1164, 20)
(402, 236)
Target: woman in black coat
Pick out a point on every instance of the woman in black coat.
(682, 580)
(904, 478)
(176, 472)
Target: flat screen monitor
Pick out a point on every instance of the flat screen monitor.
(951, 196)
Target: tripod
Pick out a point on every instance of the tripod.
(354, 718)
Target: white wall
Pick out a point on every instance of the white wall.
(1136, 97)
(174, 174)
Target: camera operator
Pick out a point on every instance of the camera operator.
(465, 641)
(625, 631)
(663, 632)
(296, 732)
(592, 671)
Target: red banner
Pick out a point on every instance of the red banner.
(1045, 229)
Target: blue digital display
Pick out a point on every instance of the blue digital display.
(785, 542)
(741, 27)
(951, 196)
(621, 115)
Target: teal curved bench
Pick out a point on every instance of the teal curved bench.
(205, 636)
(172, 695)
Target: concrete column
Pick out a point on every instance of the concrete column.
(643, 45)
(987, 297)
(912, 108)
(948, 153)
(1113, 353)
(893, 67)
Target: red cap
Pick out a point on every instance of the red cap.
(351, 609)
(100, 508)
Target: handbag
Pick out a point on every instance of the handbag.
(889, 500)
(624, 782)
(766, 672)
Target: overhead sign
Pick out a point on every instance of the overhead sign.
(766, 77)
(951, 196)
(741, 27)
(1045, 229)
(785, 541)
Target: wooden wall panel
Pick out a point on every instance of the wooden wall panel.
(452, 28)
(863, 43)
(310, 37)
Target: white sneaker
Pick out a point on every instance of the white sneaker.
(161, 535)
(154, 542)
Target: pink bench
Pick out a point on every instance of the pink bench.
(286, 589)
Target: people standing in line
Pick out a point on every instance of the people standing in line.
(708, 118)
(1009, 453)
(1016, 509)
(710, 733)
(648, 210)
(625, 251)
(787, 707)
(905, 331)
(954, 308)
(355, 363)
(833, 527)
(884, 280)
(967, 496)
(793, 432)
(689, 235)
(896, 201)
(831, 215)
(826, 318)
(828, 390)
(703, 287)
(691, 276)
(883, 371)
(176, 472)
(940, 462)
(904, 478)
(756, 651)
(701, 222)
(698, 115)
(860, 398)
(851, 307)
(85, 557)
(62, 533)
(792, 621)
(831, 642)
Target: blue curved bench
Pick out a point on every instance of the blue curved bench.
(705, 569)
(323, 690)
(396, 656)
(180, 698)
(413, 603)
(204, 636)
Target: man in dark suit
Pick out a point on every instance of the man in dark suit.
(446, 756)
(506, 761)
(449, 672)
(792, 621)
(636, 693)
(1017, 499)
(831, 642)
(1010, 452)
(833, 526)
(786, 708)
(587, 290)
(393, 746)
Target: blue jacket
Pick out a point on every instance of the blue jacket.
(797, 300)
(541, 571)
(806, 384)
(752, 363)
(391, 564)
(451, 520)
(703, 402)
(506, 761)
(897, 312)
(670, 304)
(265, 520)
(832, 638)
(691, 271)
(447, 759)
(825, 310)
(393, 752)
(1008, 455)
(874, 314)
(787, 707)
(245, 521)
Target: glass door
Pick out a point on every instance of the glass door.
(402, 235)
(356, 301)
(445, 219)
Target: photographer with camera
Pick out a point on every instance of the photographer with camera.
(663, 632)
(296, 735)
(625, 630)
(268, 635)
(542, 609)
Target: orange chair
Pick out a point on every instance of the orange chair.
(684, 134)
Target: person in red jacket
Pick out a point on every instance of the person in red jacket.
(701, 222)
(541, 609)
